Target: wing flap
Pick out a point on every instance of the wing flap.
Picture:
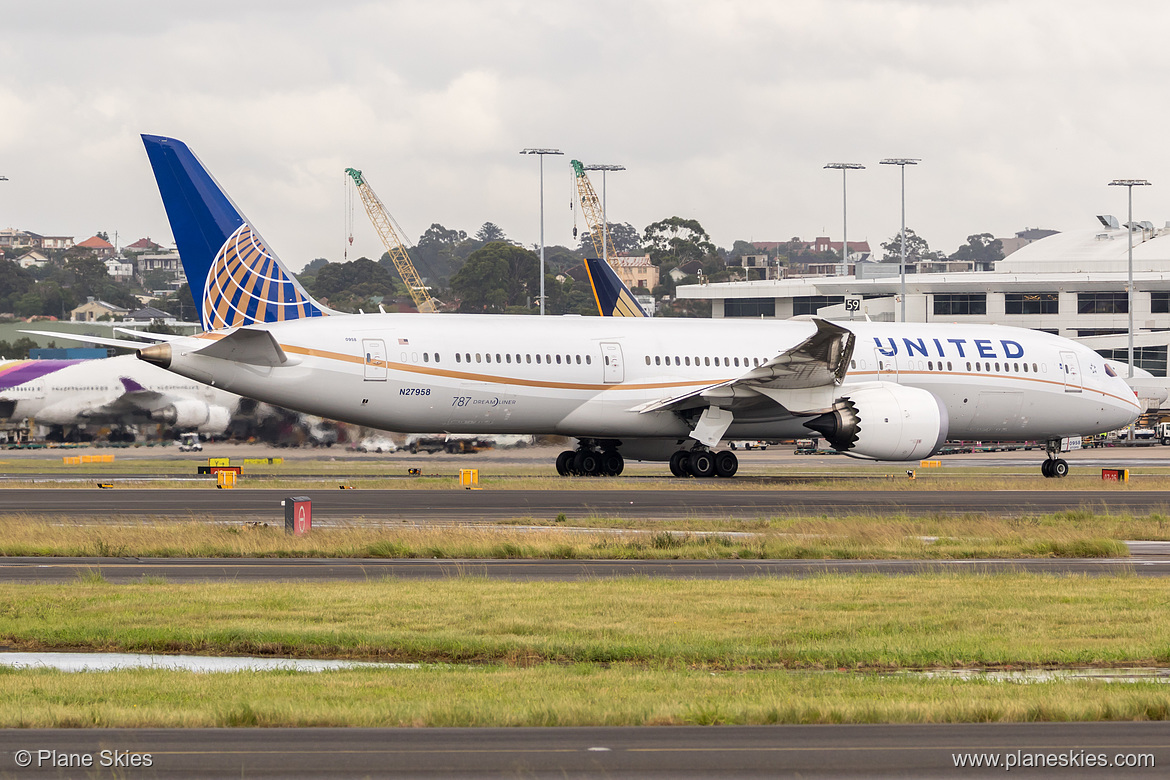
(820, 361)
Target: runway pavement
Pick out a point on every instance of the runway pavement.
(423, 506)
(916, 751)
(361, 569)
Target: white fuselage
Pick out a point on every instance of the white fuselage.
(587, 377)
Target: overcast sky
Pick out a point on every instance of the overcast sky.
(724, 112)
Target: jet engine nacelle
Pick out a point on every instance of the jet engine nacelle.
(885, 422)
(184, 413)
(218, 419)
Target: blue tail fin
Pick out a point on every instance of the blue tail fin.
(613, 298)
(235, 278)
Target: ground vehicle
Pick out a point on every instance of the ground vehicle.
(755, 444)
(377, 444)
(189, 442)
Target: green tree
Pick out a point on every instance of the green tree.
(14, 282)
(497, 276)
(917, 249)
(489, 232)
(677, 239)
(981, 248)
(624, 237)
(439, 254)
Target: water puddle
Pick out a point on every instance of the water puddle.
(1024, 676)
(105, 662)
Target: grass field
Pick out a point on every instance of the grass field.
(624, 651)
(577, 695)
(867, 622)
(1079, 534)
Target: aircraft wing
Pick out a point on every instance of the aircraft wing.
(820, 361)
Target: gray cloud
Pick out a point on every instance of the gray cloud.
(726, 112)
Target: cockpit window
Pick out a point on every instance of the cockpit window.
(1109, 370)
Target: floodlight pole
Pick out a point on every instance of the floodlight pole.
(604, 218)
(1129, 184)
(541, 153)
(902, 162)
(845, 167)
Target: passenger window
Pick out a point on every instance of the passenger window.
(853, 364)
(706, 361)
(948, 365)
(487, 357)
(558, 360)
(588, 360)
(426, 357)
(606, 357)
(538, 359)
(737, 362)
(1016, 367)
(497, 357)
(528, 358)
(509, 357)
(930, 365)
(548, 358)
(677, 360)
(647, 360)
(466, 357)
(687, 360)
(1025, 368)
(579, 360)
(457, 360)
(1033, 368)
(657, 360)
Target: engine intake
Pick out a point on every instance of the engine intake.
(885, 422)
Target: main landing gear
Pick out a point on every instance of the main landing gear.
(591, 459)
(703, 463)
(1054, 466)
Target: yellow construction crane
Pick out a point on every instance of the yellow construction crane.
(392, 240)
(594, 215)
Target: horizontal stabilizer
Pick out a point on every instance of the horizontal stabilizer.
(147, 335)
(247, 345)
(84, 339)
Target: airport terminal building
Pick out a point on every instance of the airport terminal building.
(1072, 284)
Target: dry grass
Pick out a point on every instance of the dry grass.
(1067, 534)
(581, 695)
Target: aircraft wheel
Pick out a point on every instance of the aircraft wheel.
(679, 462)
(702, 464)
(587, 463)
(1046, 468)
(726, 464)
(612, 463)
(565, 463)
(1059, 468)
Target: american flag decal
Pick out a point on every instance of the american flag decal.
(403, 341)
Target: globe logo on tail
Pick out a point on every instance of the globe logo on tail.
(247, 284)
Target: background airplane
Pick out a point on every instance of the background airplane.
(75, 396)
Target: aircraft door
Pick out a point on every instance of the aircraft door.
(887, 366)
(375, 359)
(612, 364)
(1072, 372)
